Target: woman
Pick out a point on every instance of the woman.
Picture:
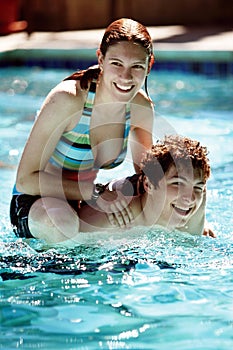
(169, 190)
(83, 126)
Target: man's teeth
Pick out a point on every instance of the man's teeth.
(180, 210)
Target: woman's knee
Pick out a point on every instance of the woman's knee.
(53, 219)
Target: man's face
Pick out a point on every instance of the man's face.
(182, 192)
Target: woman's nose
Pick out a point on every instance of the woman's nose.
(126, 74)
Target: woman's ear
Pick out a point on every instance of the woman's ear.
(100, 57)
(148, 187)
(151, 62)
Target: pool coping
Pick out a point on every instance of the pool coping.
(90, 54)
(170, 43)
(207, 50)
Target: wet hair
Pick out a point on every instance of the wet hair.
(174, 150)
(123, 29)
(126, 29)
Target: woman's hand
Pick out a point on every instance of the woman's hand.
(117, 208)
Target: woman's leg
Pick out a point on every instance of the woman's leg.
(53, 220)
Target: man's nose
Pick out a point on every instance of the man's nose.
(188, 195)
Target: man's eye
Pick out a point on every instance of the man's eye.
(199, 189)
(177, 183)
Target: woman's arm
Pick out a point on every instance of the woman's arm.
(141, 135)
(142, 118)
(54, 118)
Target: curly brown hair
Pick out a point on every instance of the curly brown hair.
(174, 150)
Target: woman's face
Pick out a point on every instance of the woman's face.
(125, 67)
(181, 193)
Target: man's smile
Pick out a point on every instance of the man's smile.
(181, 211)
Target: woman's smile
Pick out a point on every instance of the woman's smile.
(123, 88)
(125, 67)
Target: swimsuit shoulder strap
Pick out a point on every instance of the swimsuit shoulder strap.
(127, 121)
(85, 120)
(90, 96)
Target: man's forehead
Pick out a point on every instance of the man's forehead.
(185, 171)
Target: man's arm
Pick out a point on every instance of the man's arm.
(196, 225)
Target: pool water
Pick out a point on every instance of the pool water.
(143, 289)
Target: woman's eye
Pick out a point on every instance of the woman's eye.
(117, 64)
(138, 66)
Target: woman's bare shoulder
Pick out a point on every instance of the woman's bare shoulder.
(68, 89)
(143, 100)
(141, 105)
(66, 98)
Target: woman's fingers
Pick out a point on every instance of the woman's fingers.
(121, 214)
(117, 208)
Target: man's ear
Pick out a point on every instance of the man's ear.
(148, 186)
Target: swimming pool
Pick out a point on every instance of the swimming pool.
(146, 290)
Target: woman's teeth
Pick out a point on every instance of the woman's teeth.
(124, 88)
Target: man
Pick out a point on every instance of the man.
(169, 191)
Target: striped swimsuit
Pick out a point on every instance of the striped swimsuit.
(73, 152)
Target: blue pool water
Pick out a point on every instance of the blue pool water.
(145, 289)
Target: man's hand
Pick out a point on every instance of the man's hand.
(208, 232)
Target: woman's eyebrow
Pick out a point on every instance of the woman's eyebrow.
(115, 59)
(142, 61)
